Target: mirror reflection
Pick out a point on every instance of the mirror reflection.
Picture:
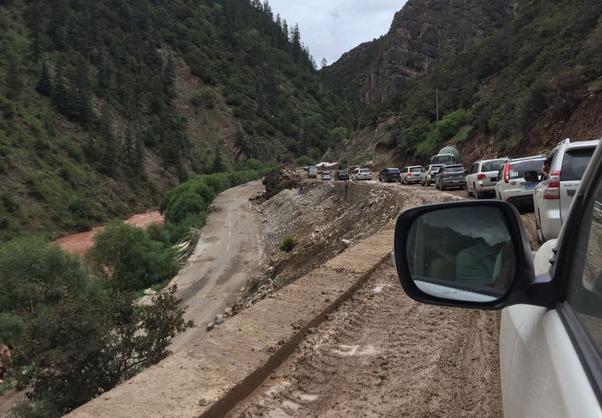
(462, 254)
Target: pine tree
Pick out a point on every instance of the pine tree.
(219, 165)
(108, 157)
(80, 95)
(14, 82)
(133, 154)
(296, 43)
(44, 86)
(168, 80)
(59, 94)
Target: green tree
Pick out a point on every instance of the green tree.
(109, 147)
(44, 86)
(127, 259)
(14, 81)
(219, 165)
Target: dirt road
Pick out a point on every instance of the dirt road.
(381, 354)
(229, 248)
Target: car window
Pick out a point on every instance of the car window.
(474, 168)
(492, 165)
(585, 291)
(575, 162)
(518, 170)
(416, 170)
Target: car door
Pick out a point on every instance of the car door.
(472, 178)
(551, 359)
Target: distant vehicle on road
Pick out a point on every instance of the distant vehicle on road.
(389, 175)
(362, 174)
(341, 175)
(450, 176)
(326, 176)
(411, 175)
(483, 176)
(513, 185)
(553, 196)
(476, 255)
(448, 155)
(312, 172)
(428, 175)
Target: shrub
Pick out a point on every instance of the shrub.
(203, 98)
(288, 244)
(305, 160)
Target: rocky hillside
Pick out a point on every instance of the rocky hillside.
(104, 104)
(423, 33)
(531, 83)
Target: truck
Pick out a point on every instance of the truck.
(448, 155)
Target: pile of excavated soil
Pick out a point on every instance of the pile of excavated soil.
(382, 354)
(323, 225)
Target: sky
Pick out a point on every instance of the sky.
(330, 28)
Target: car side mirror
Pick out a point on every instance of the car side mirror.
(465, 172)
(532, 176)
(466, 254)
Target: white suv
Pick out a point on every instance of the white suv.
(553, 196)
(513, 187)
(483, 177)
(362, 174)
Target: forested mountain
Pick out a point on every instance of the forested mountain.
(105, 103)
(422, 34)
(530, 84)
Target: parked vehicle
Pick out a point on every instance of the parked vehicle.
(389, 175)
(312, 172)
(411, 175)
(326, 176)
(476, 255)
(342, 175)
(362, 174)
(513, 187)
(483, 176)
(450, 176)
(553, 196)
(448, 155)
(428, 175)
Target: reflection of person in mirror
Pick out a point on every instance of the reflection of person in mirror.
(485, 265)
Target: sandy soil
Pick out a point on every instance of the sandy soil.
(381, 354)
(82, 242)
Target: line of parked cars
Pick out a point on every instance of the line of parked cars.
(545, 183)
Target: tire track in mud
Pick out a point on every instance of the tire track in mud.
(384, 355)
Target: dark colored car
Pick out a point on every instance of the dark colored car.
(389, 175)
(341, 175)
(450, 176)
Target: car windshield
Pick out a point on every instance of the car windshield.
(575, 163)
(492, 166)
(454, 169)
(518, 170)
(364, 171)
(393, 170)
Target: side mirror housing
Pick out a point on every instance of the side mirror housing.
(532, 176)
(471, 254)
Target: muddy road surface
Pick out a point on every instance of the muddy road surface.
(230, 247)
(384, 355)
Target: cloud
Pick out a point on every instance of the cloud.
(332, 27)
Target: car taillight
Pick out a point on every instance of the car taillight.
(481, 176)
(552, 191)
(507, 173)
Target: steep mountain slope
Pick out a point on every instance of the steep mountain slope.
(423, 33)
(103, 104)
(533, 82)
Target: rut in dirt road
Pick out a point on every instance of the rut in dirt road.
(382, 354)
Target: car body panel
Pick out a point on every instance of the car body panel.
(411, 174)
(541, 373)
(450, 177)
(360, 174)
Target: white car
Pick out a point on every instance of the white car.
(551, 323)
(553, 196)
(411, 175)
(512, 186)
(428, 175)
(483, 176)
(362, 174)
